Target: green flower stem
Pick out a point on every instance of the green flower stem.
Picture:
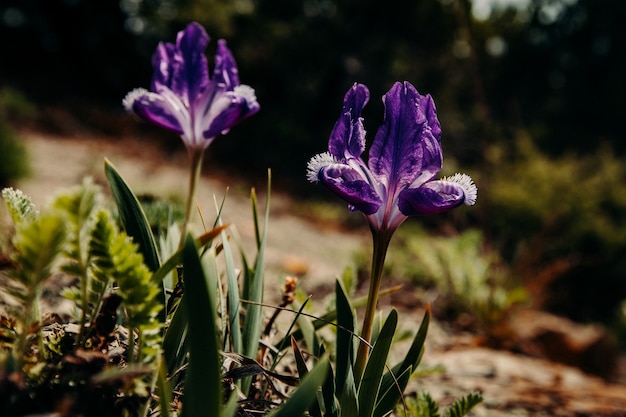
(195, 155)
(381, 241)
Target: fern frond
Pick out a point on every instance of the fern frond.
(79, 204)
(100, 263)
(464, 405)
(19, 205)
(139, 293)
(37, 245)
(422, 405)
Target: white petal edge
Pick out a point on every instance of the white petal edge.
(247, 93)
(131, 96)
(467, 184)
(316, 163)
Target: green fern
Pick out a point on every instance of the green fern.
(422, 405)
(139, 293)
(37, 245)
(100, 264)
(19, 205)
(78, 206)
(464, 405)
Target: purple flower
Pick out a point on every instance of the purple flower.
(398, 179)
(184, 99)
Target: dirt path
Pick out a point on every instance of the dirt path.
(293, 244)
(514, 385)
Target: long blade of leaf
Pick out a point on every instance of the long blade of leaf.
(372, 376)
(389, 398)
(299, 403)
(411, 359)
(345, 337)
(349, 405)
(254, 314)
(204, 371)
(133, 217)
(135, 224)
(303, 370)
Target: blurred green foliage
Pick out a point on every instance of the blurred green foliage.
(13, 156)
(468, 280)
(559, 221)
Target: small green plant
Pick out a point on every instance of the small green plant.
(423, 405)
(467, 277)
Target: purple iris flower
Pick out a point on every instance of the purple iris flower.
(398, 179)
(184, 99)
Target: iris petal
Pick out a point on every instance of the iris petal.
(225, 71)
(162, 61)
(405, 148)
(190, 76)
(156, 109)
(431, 198)
(347, 184)
(348, 136)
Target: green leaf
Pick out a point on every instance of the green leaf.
(389, 398)
(372, 376)
(19, 205)
(254, 287)
(201, 398)
(345, 337)
(175, 342)
(133, 217)
(328, 392)
(349, 405)
(233, 296)
(135, 224)
(422, 405)
(464, 405)
(38, 243)
(392, 389)
(298, 404)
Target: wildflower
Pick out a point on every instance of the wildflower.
(184, 99)
(398, 180)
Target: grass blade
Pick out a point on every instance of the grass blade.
(372, 376)
(345, 337)
(132, 216)
(410, 361)
(201, 397)
(254, 290)
(298, 404)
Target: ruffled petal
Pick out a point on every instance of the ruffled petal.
(229, 109)
(347, 140)
(405, 147)
(225, 72)
(190, 71)
(156, 109)
(431, 198)
(348, 184)
(162, 62)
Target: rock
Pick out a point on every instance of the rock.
(544, 335)
(516, 385)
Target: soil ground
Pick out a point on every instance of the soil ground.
(513, 384)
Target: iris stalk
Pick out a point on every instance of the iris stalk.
(195, 157)
(381, 240)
